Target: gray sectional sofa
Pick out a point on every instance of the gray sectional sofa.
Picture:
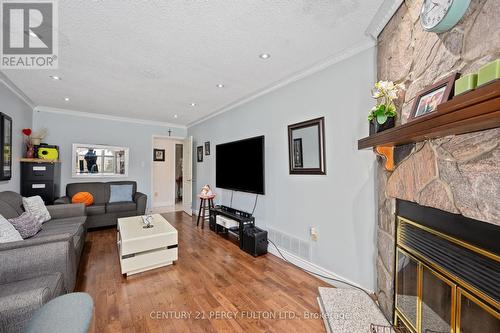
(104, 213)
(35, 270)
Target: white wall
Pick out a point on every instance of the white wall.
(340, 204)
(164, 173)
(66, 129)
(22, 116)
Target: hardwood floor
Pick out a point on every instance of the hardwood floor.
(211, 279)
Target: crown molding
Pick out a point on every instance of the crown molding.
(338, 57)
(383, 15)
(12, 87)
(106, 117)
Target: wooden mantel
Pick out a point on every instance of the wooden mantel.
(473, 111)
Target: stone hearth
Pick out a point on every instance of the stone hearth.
(458, 174)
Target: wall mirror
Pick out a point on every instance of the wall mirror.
(94, 161)
(306, 147)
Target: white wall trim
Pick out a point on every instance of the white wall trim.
(383, 15)
(314, 268)
(345, 54)
(9, 84)
(106, 117)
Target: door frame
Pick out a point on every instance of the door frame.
(188, 147)
(153, 137)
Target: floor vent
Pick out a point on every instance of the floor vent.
(291, 244)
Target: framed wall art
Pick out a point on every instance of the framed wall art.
(159, 155)
(207, 148)
(6, 147)
(199, 153)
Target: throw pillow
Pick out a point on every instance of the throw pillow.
(7, 231)
(83, 197)
(121, 193)
(27, 224)
(36, 206)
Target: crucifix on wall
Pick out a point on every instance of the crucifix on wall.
(169, 132)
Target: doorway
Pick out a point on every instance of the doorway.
(167, 175)
(179, 147)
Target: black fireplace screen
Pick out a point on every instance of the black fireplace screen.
(444, 284)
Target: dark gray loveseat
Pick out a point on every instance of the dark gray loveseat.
(35, 270)
(103, 213)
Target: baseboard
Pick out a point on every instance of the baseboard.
(196, 213)
(314, 268)
(162, 204)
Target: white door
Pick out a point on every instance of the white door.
(187, 176)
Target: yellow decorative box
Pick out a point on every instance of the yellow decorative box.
(48, 153)
(488, 73)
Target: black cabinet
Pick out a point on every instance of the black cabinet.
(240, 218)
(41, 178)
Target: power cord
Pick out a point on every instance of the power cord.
(255, 204)
(231, 204)
(313, 273)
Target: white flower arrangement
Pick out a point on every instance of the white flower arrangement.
(37, 137)
(386, 92)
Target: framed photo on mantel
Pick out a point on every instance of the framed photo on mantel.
(427, 101)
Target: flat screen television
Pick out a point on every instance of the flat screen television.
(239, 165)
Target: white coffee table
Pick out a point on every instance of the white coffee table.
(142, 249)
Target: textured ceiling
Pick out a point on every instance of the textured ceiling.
(152, 59)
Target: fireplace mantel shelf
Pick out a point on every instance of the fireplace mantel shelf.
(471, 112)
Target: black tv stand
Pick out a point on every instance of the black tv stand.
(230, 221)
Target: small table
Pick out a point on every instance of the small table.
(204, 201)
(141, 249)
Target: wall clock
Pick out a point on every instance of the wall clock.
(442, 15)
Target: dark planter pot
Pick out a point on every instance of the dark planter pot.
(375, 127)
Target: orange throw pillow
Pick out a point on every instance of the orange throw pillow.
(83, 197)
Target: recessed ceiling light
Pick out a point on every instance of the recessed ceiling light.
(66, 99)
(220, 85)
(175, 116)
(53, 77)
(265, 56)
(193, 104)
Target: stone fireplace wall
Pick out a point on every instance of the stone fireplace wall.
(458, 174)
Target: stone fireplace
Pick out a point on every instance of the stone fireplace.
(459, 175)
